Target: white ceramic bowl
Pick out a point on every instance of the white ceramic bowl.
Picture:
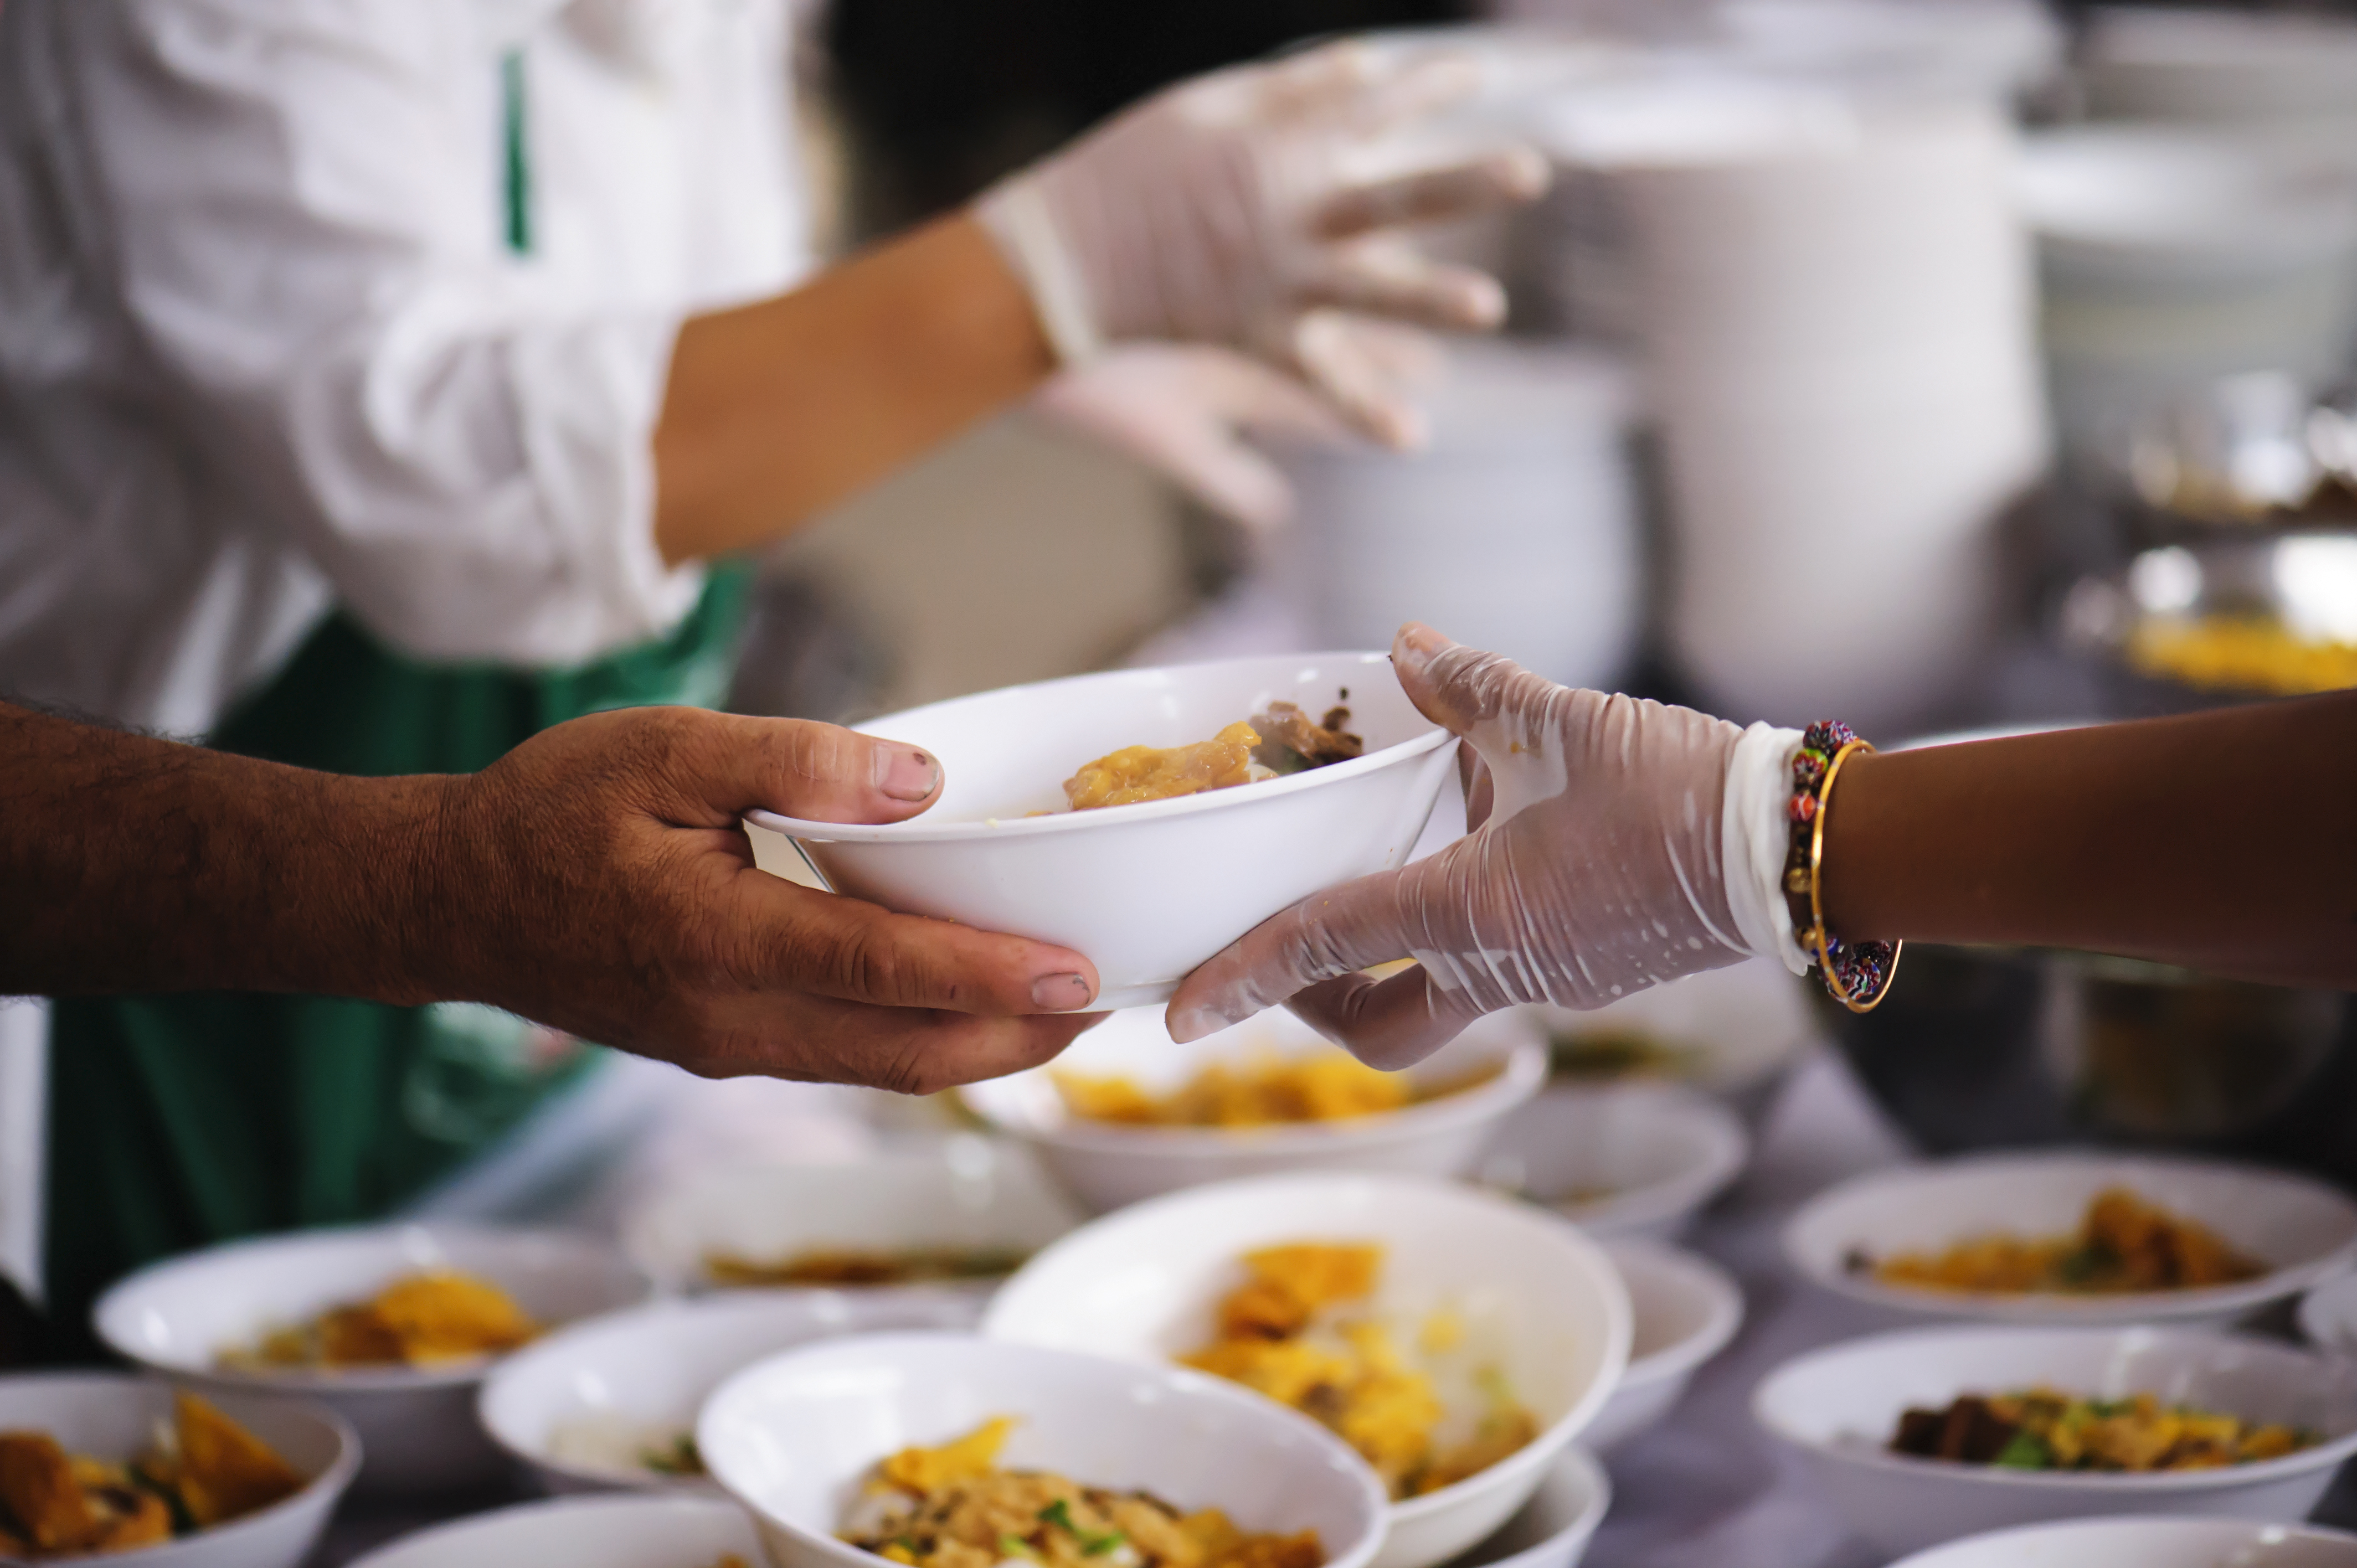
(1629, 1159)
(2146, 1543)
(112, 1416)
(1106, 1165)
(2300, 1229)
(790, 1437)
(1734, 1033)
(634, 1377)
(1839, 1406)
(644, 1531)
(1553, 1529)
(963, 1192)
(1141, 1286)
(416, 1424)
(1147, 891)
(1683, 1310)
(2328, 1316)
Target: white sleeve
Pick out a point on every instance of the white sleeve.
(301, 202)
(1754, 838)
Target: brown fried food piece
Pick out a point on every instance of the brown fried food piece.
(1290, 743)
(43, 1496)
(225, 1471)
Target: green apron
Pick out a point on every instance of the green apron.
(179, 1121)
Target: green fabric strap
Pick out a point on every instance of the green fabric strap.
(178, 1121)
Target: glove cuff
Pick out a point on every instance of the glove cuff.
(1015, 215)
(1754, 841)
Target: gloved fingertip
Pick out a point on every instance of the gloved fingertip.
(1188, 1025)
(1521, 173)
(1414, 646)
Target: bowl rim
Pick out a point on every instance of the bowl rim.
(1182, 1379)
(1708, 1281)
(333, 1480)
(918, 830)
(1725, 1155)
(622, 1500)
(1595, 1481)
(328, 1381)
(1619, 1315)
(1522, 1073)
(2328, 1304)
(2296, 1530)
(2030, 1309)
(2225, 1477)
(499, 1385)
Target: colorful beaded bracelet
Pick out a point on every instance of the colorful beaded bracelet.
(1857, 974)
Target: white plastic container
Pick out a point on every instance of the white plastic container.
(1147, 891)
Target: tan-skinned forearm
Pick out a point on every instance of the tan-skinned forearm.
(133, 863)
(777, 410)
(2225, 842)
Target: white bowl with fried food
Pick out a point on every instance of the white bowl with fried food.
(1149, 890)
(1737, 1033)
(417, 1423)
(1840, 1407)
(2167, 1542)
(115, 1417)
(1683, 1310)
(1624, 1159)
(2294, 1230)
(1455, 1100)
(1538, 1306)
(964, 1203)
(635, 1532)
(794, 1438)
(606, 1404)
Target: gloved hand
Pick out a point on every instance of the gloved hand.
(1184, 409)
(1601, 864)
(1244, 207)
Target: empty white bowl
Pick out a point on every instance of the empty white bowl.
(1683, 1310)
(2300, 1229)
(417, 1423)
(644, 1531)
(1839, 1407)
(110, 1417)
(1140, 1285)
(574, 1408)
(1553, 1529)
(963, 1192)
(1632, 1159)
(1106, 1165)
(1147, 891)
(2146, 1543)
(792, 1436)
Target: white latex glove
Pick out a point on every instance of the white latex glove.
(1617, 843)
(1247, 208)
(1184, 411)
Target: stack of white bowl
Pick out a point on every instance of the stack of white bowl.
(2143, 63)
(1515, 529)
(1832, 297)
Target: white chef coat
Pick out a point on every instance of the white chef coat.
(265, 346)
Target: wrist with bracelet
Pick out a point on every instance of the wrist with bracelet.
(1857, 974)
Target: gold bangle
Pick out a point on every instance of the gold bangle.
(1868, 981)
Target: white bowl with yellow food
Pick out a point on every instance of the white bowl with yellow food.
(2069, 1422)
(1125, 1114)
(934, 1449)
(391, 1326)
(1623, 1159)
(611, 1401)
(1462, 1339)
(1684, 1309)
(1150, 889)
(957, 1216)
(2076, 1237)
(100, 1463)
(2174, 1541)
(586, 1532)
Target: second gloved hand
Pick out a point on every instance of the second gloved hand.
(1598, 867)
(1251, 208)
